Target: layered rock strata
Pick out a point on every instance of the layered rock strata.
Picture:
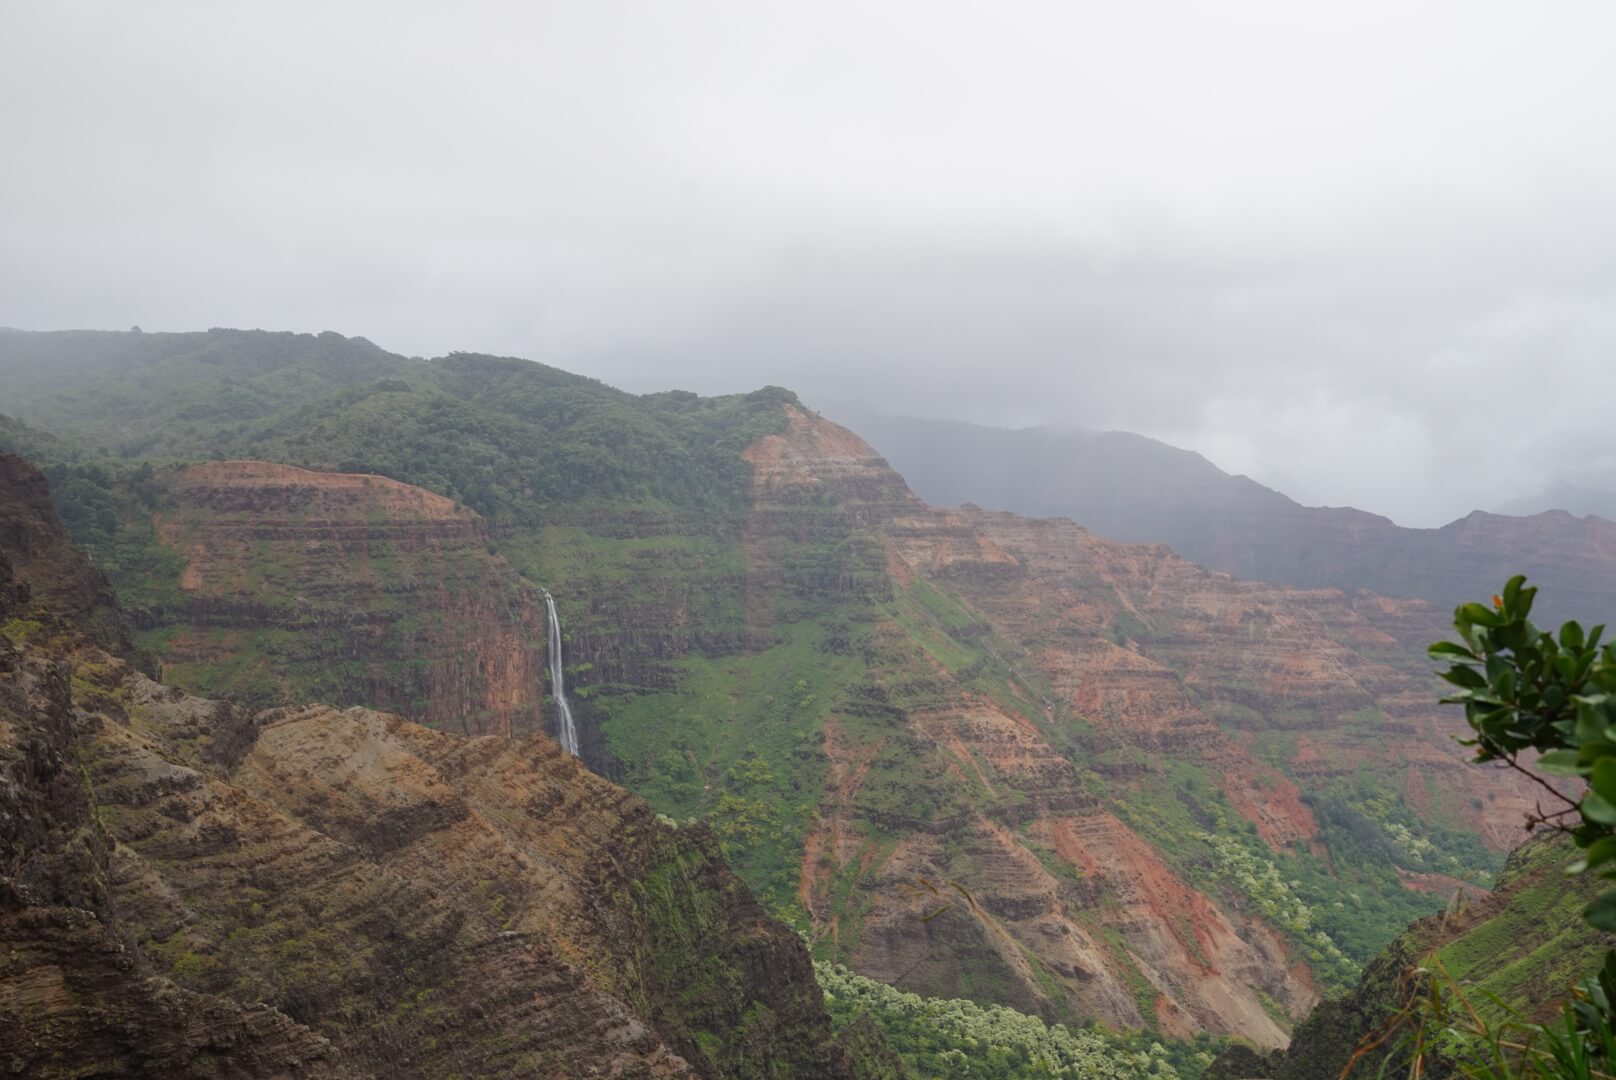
(192, 889)
(348, 589)
(1005, 876)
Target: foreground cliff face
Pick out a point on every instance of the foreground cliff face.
(296, 585)
(195, 889)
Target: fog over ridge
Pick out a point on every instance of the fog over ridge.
(1363, 256)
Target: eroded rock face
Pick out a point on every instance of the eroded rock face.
(61, 578)
(1047, 899)
(301, 585)
(1340, 679)
(192, 889)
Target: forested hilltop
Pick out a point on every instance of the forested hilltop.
(969, 754)
(499, 434)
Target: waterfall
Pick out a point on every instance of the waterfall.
(566, 731)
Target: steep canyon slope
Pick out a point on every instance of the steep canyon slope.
(1108, 748)
(314, 586)
(1525, 944)
(192, 889)
(969, 753)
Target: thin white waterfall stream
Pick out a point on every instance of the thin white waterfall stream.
(566, 731)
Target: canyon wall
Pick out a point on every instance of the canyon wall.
(1033, 698)
(975, 754)
(298, 585)
(190, 887)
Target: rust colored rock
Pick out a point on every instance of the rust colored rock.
(350, 589)
(190, 889)
(1158, 659)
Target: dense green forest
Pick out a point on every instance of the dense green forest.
(951, 1038)
(499, 434)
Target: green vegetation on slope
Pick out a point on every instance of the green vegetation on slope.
(738, 743)
(1339, 908)
(1524, 945)
(951, 1038)
(634, 510)
(501, 435)
(1536, 943)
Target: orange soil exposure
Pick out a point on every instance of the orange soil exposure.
(1417, 791)
(1301, 975)
(1063, 831)
(1182, 942)
(849, 764)
(979, 731)
(1272, 803)
(189, 646)
(337, 492)
(1166, 894)
(1171, 1020)
(1438, 884)
(830, 841)
(897, 568)
(810, 875)
(1308, 757)
(814, 453)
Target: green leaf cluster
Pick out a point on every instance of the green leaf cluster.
(1524, 690)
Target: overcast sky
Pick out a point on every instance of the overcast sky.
(1364, 252)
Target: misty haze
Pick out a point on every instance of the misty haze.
(835, 541)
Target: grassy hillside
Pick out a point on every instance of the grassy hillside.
(1526, 945)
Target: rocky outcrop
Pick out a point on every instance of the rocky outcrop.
(75, 997)
(298, 585)
(817, 492)
(63, 580)
(190, 888)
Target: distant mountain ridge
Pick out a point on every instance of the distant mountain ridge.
(1132, 488)
(1575, 499)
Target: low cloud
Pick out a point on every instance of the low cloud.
(1362, 255)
